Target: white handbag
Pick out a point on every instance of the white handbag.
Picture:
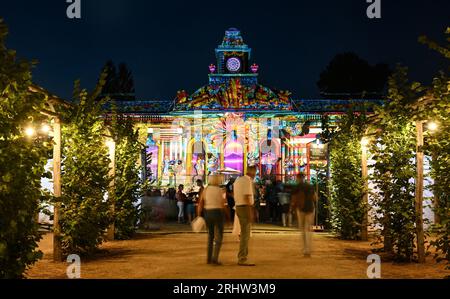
(198, 224)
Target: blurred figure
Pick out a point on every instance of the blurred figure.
(244, 198)
(190, 207)
(201, 188)
(212, 201)
(230, 198)
(284, 200)
(272, 200)
(304, 201)
(181, 199)
(258, 196)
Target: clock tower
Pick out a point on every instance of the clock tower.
(233, 61)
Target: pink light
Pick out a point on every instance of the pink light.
(212, 68)
(233, 148)
(254, 68)
(233, 160)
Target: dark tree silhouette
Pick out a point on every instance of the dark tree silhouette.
(111, 86)
(125, 80)
(119, 85)
(349, 76)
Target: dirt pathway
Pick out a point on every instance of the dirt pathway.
(183, 255)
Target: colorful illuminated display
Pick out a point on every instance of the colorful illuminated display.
(242, 123)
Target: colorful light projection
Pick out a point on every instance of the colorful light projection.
(234, 95)
(234, 156)
(152, 151)
(269, 161)
(198, 163)
(296, 156)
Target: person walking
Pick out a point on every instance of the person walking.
(181, 199)
(303, 202)
(230, 198)
(212, 203)
(272, 201)
(284, 199)
(244, 197)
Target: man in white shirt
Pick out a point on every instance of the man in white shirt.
(243, 196)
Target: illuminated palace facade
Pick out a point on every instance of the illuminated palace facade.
(232, 122)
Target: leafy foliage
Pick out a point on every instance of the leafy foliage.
(22, 162)
(394, 168)
(85, 214)
(347, 185)
(438, 148)
(323, 209)
(118, 84)
(127, 182)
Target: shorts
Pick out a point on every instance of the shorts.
(190, 209)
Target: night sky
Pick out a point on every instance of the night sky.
(169, 44)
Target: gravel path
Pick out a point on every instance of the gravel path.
(183, 255)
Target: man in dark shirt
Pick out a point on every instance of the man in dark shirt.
(303, 202)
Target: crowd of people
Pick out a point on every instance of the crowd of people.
(240, 201)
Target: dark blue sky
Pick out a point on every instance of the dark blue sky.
(169, 44)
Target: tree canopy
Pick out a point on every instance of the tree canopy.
(349, 76)
(119, 83)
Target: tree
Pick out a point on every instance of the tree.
(349, 76)
(394, 171)
(85, 214)
(347, 185)
(438, 148)
(125, 79)
(127, 182)
(111, 85)
(119, 85)
(22, 161)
